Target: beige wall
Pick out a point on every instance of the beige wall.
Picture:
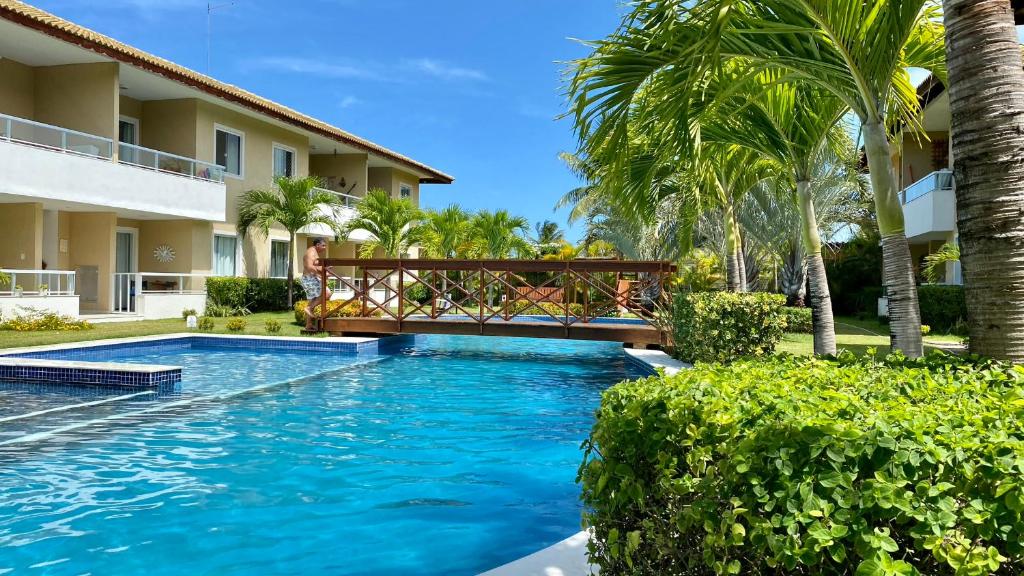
(170, 126)
(129, 106)
(21, 246)
(82, 97)
(917, 157)
(64, 233)
(335, 167)
(257, 169)
(17, 89)
(185, 237)
(91, 243)
(391, 179)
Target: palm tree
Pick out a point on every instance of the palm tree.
(985, 84)
(858, 50)
(935, 263)
(393, 224)
(549, 237)
(500, 235)
(445, 233)
(294, 204)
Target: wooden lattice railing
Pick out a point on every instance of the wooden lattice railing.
(482, 291)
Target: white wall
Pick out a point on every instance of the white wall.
(159, 306)
(38, 173)
(15, 306)
(933, 212)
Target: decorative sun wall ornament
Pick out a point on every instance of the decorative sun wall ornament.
(163, 253)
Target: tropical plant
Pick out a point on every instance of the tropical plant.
(500, 235)
(935, 263)
(393, 223)
(987, 132)
(293, 204)
(660, 59)
(549, 238)
(561, 251)
(445, 233)
(5, 278)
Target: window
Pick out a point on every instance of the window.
(284, 161)
(278, 259)
(229, 149)
(128, 133)
(224, 255)
(405, 191)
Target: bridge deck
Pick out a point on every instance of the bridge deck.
(605, 332)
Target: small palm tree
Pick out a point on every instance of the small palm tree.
(293, 204)
(445, 233)
(501, 235)
(935, 263)
(549, 237)
(393, 223)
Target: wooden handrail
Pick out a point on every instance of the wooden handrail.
(623, 266)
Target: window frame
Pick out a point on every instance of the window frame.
(274, 147)
(270, 272)
(237, 255)
(241, 150)
(402, 185)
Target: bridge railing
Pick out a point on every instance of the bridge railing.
(486, 291)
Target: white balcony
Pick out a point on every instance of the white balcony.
(27, 292)
(43, 162)
(929, 207)
(341, 215)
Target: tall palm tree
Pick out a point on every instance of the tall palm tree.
(549, 237)
(393, 223)
(500, 235)
(293, 204)
(445, 233)
(859, 50)
(986, 84)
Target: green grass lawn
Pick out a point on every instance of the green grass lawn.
(856, 336)
(254, 325)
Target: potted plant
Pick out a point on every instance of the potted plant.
(44, 289)
(18, 290)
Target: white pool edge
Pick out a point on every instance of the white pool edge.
(569, 557)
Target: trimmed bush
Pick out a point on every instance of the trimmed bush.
(723, 326)
(205, 324)
(544, 308)
(252, 294)
(943, 307)
(34, 320)
(798, 320)
(236, 324)
(335, 309)
(799, 465)
(272, 326)
(855, 277)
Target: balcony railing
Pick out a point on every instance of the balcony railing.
(940, 180)
(129, 285)
(55, 138)
(347, 199)
(37, 282)
(169, 163)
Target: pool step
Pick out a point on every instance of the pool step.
(131, 376)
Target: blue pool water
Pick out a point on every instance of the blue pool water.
(451, 456)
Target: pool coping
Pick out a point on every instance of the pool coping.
(569, 557)
(19, 364)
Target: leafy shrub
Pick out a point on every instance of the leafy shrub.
(335, 309)
(34, 320)
(943, 307)
(925, 329)
(799, 465)
(723, 326)
(253, 294)
(188, 312)
(544, 308)
(221, 311)
(205, 324)
(798, 320)
(227, 292)
(855, 277)
(417, 293)
(272, 326)
(236, 324)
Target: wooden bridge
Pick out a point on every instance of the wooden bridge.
(608, 300)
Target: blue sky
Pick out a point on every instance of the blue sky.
(471, 88)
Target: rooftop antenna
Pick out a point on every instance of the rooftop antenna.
(210, 7)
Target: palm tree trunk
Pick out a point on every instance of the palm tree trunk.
(897, 266)
(794, 275)
(821, 300)
(733, 273)
(986, 97)
(291, 267)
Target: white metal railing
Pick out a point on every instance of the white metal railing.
(939, 180)
(22, 131)
(168, 163)
(129, 285)
(348, 200)
(37, 282)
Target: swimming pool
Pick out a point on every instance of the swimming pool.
(449, 456)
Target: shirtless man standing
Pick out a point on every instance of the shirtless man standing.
(311, 278)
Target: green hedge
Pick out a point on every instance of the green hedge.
(798, 320)
(855, 277)
(722, 326)
(943, 307)
(255, 294)
(798, 465)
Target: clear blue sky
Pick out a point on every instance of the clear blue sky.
(469, 87)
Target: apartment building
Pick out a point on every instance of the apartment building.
(120, 173)
(924, 161)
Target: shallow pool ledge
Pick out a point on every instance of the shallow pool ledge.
(569, 557)
(95, 373)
